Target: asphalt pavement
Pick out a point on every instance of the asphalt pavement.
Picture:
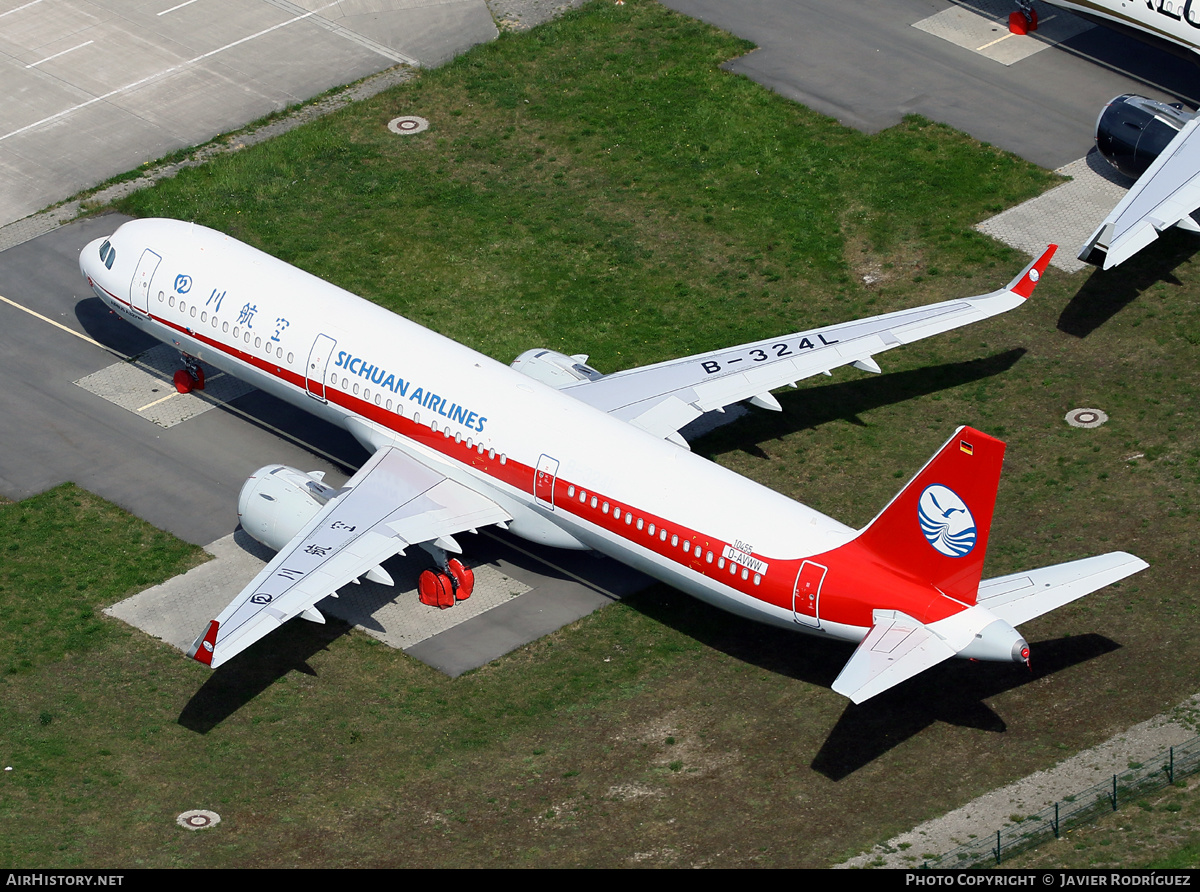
(867, 64)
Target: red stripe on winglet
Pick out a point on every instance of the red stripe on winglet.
(203, 653)
(1025, 285)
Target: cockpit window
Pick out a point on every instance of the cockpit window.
(108, 254)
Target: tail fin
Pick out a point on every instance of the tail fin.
(937, 528)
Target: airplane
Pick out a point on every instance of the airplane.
(559, 453)
(1171, 23)
(1148, 141)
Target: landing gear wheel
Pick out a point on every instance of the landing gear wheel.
(183, 381)
(464, 578)
(197, 377)
(445, 592)
(435, 589)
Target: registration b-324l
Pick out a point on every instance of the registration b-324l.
(558, 453)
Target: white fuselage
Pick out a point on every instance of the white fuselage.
(569, 474)
(1174, 21)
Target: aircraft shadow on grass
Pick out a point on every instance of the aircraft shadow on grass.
(812, 406)
(954, 692)
(1107, 292)
(247, 675)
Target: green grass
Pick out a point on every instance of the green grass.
(66, 556)
(599, 185)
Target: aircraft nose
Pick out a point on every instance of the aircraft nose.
(89, 257)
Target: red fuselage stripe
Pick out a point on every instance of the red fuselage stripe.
(521, 477)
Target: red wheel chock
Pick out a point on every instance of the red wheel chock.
(1021, 22)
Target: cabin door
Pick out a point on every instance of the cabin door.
(806, 596)
(139, 288)
(318, 361)
(543, 481)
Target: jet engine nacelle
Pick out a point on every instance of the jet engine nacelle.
(277, 501)
(1132, 131)
(555, 369)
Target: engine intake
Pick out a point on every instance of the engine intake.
(1132, 131)
(277, 501)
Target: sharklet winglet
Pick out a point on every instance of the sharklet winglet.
(202, 648)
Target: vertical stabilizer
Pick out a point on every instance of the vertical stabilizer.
(936, 529)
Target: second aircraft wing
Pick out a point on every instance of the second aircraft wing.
(1164, 196)
(664, 397)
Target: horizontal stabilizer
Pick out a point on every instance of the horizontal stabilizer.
(897, 648)
(1022, 596)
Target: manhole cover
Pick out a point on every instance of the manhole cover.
(407, 124)
(1086, 418)
(198, 819)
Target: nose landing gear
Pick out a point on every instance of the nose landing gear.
(191, 376)
(1024, 20)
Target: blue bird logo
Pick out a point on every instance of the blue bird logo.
(946, 522)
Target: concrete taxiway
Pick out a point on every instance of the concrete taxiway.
(93, 90)
(869, 64)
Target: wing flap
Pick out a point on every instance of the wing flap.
(392, 502)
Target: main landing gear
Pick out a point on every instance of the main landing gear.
(1024, 20)
(444, 588)
(191, 376)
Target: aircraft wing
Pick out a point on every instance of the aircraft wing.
(662, 398)
(1164, 196)
(392, 502)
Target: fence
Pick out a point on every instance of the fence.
(1050, 823)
